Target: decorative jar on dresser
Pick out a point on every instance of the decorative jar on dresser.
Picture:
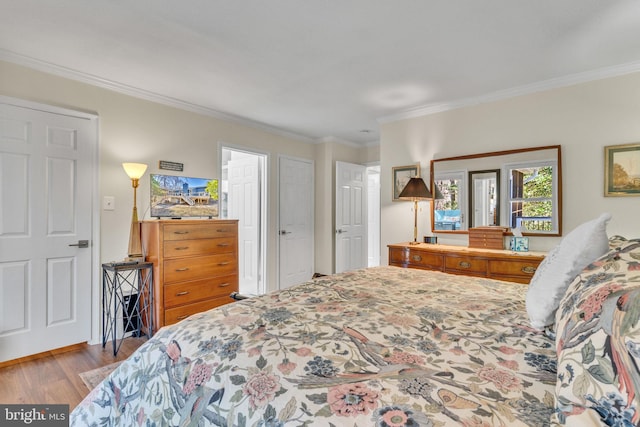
(497, 264)
(195, 265)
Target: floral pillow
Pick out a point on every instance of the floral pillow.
(598, 342)
(615, 242)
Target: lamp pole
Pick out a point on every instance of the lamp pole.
(415, 221)
(135, 244)
(135, 171)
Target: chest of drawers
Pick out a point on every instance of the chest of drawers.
(509, 266)
(195, 265)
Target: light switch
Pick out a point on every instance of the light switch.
(108, 203)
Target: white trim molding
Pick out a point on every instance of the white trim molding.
(570, 80)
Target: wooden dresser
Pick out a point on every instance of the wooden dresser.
(498, 264)
(195, 265)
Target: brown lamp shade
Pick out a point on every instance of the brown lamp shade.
(415, 189)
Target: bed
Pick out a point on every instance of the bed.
(394, 347)
(383, 346)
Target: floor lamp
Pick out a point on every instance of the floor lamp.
(135, 172)
(414, 191)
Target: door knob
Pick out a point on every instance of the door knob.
(81, 244)
(283, 232)
(340, 231)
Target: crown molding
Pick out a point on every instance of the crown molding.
(544, 85)
(336, 140)
(93, 80)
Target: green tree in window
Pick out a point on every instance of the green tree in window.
(538, 184)
(212, 189)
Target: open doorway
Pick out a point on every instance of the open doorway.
(373, 212)
(243, 196)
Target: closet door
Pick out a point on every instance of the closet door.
(46, 186)
(295, 213)
(351, 217)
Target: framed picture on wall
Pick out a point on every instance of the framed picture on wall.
(622, 170)
(400, 177)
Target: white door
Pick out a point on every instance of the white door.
(296, 221)
(244, 205)
(351, 217)
(46, 184)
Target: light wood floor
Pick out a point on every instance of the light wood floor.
(54, 378)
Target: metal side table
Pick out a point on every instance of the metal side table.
(127, 297)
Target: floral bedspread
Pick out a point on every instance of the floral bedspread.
(383, 346)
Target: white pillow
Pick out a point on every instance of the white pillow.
(555, 273)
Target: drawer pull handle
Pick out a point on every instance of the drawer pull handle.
(184, 316)
(221, 230)
(179, 294)
(416, 257)
(223, 263)
(181, 232)
(182, 248)
(222, 285)
(464, 264)
(182, 269)
(528, 269)
(223, 245)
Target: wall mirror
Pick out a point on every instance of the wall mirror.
(514, 188)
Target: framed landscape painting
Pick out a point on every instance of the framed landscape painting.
(622, 170)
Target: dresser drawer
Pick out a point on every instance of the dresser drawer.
(465, 264)
(193, 268)
(523, 269)
(406, 257)
(196, 290)
(173, 315)
(425, 260)
(203, 231)
(398, 256)
(181, 248)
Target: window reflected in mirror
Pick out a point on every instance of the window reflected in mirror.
(447, 210)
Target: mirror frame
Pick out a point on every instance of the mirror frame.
(433, 163)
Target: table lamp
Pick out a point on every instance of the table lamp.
(415, 190)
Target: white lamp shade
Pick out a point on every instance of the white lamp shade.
(134, 170)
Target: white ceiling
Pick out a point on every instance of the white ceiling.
(324, 70)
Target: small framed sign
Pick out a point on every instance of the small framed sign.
(171, 166)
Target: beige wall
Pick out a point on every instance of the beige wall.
(136, 130)
(583, 118)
